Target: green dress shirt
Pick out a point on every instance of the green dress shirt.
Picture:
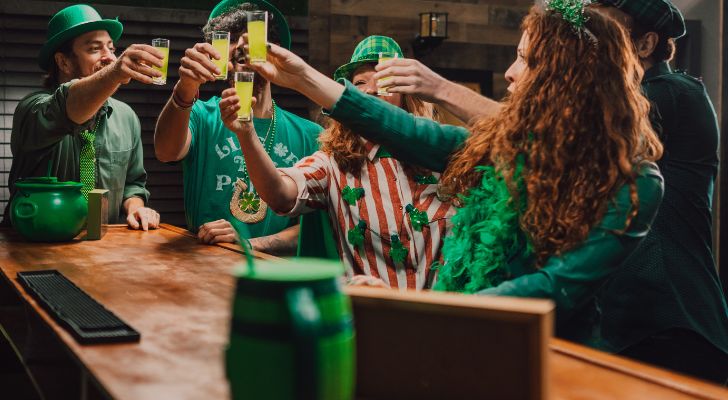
(43, 133)
(573, 280)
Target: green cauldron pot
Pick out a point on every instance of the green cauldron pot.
(291, 334)
(45, 210)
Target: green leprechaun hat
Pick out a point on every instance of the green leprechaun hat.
(71, 22)
(367, 51)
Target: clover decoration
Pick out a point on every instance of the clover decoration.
(397, 250)
(426, 180)
(418, 218)
(355, 235)
(352, 195)
(249, 203)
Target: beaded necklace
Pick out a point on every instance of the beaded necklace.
(245, 204)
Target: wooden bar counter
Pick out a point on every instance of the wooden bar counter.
(176, 293)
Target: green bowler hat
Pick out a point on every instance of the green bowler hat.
(367, 51)
(73, 21)
(283, 30)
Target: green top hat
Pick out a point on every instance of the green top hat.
(283, 30)
(73, 21)
(367, 51)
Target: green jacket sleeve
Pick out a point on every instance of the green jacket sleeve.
(136, 175)
(572, 279)
(414, 140)
(41, 118)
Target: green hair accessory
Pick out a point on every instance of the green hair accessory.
(571, 10)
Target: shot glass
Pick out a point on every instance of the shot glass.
(221, 44)
(382, 90)
(244, 90)
(257, 36)
(163, 46)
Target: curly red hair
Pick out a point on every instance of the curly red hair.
(580, 120)
(347, 148)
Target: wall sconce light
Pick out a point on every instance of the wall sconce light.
(433, 30)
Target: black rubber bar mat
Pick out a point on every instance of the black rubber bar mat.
(86, 319)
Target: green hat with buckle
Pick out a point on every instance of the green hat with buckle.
(71, 22)
(367, 51)
(660, 16)
(283, 30)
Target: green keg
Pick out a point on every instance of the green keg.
(291, 334)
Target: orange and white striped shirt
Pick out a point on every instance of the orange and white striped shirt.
(388, 190)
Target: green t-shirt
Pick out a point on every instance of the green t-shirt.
(214, 164)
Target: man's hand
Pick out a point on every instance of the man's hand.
(220, 231)
(196, 67)
(411, 77)
(134, 63)
(143, 218)
(138, 216)
(229, 106)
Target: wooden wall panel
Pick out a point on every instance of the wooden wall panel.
(23, 26)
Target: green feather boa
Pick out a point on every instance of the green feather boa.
(485, 235)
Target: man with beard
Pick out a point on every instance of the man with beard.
(219, 200)
(75, 130)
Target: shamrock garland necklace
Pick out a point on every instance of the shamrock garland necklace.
(245, 204)
(418, 219)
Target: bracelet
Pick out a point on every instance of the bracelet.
(178, 106)
(181, 105)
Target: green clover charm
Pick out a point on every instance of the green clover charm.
(425, 180)
(356, 234)
(249, 203)
(397, 251)
(352, 195)
(418, 218)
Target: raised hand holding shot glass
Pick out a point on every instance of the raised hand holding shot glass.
(244, 90)
(221, 44)
(163, 46)
(381, 89)
(257, 36)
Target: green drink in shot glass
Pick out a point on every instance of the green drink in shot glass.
(382, 90)
(244, 90)
(163, 46)
(221, 44)
(257, 36)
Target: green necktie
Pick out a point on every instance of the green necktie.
(87, 162)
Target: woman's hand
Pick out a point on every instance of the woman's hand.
(411, 77)
(229, 106)
(366, 280)
(283, 67)
(288, 70)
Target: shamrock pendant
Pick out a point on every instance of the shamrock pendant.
(246, 206)
(418, 218)
(397, 250)
(356, 234)
(249, 203)
(352, 195)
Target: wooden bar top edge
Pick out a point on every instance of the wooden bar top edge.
(684, 384)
